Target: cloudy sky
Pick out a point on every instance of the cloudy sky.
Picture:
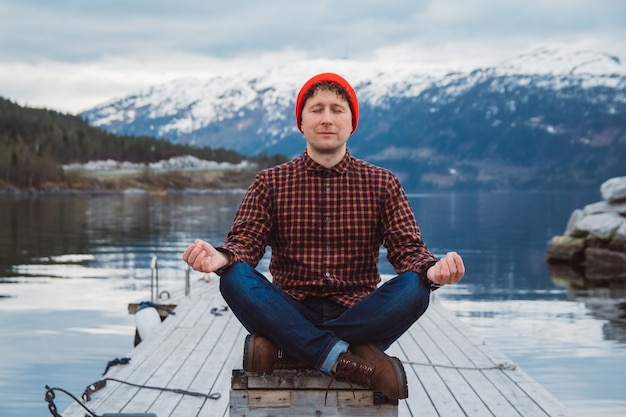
(70, 55)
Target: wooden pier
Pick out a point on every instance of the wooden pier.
(451, 370)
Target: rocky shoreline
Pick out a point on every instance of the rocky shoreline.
(182, 174)
(593, 247)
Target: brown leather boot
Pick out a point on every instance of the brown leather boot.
(367, 366)
(262, 355)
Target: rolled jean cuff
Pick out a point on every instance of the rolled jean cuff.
(339, 348)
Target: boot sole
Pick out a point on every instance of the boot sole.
(248, 353)
(402, 381)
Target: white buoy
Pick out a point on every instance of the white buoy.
(147, 320)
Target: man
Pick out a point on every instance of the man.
(325, 215)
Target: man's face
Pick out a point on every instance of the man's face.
(326, 122)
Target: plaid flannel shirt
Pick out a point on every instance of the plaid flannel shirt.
(325, 227)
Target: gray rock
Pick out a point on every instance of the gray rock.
(571, 224)
(614, 189)
(619, 208)
(596, 208)
(604, 207)
(594, 245)
(602, 225)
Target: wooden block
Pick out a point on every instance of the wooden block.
(303, 393)
(287, 379)
(268, 398)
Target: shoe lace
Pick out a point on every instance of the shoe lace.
(350, 371)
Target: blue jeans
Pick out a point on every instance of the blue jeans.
(317, 330)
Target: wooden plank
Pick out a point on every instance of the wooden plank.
(255, 399)
(156, 370)
(303, 391)
(418, 403)
(525, 394)
(182, 367)
(146, 360)
(435, 386)
(496, 393)
(288, 379)
(212, 368)
(293, 403)
(233, 360)
(455, 366)
(532, 398)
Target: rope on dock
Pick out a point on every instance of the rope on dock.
(102, 383)
(49, 397)
(52, 406)
(501, 366)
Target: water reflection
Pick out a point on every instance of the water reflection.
(104, 236)
(604, 299)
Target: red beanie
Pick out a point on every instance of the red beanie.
(328, 77)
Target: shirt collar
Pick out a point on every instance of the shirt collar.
(337, 169)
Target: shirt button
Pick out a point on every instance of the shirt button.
(327, 189)
(327, 218)
(327, 274)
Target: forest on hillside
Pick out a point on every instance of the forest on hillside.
(35, 143)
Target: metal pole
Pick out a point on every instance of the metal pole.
(187, 286)
(156, 269)
(153, 273)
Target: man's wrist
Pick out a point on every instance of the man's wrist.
(433, 285)
(227, 257)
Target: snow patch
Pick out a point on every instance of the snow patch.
(178, 163)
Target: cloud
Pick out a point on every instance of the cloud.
(73, 87)
(73, 54)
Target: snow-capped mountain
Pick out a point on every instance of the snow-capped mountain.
(439, 126)
(183, 109)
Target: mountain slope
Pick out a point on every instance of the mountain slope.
(547, 119)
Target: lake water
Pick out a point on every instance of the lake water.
(69, 266)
